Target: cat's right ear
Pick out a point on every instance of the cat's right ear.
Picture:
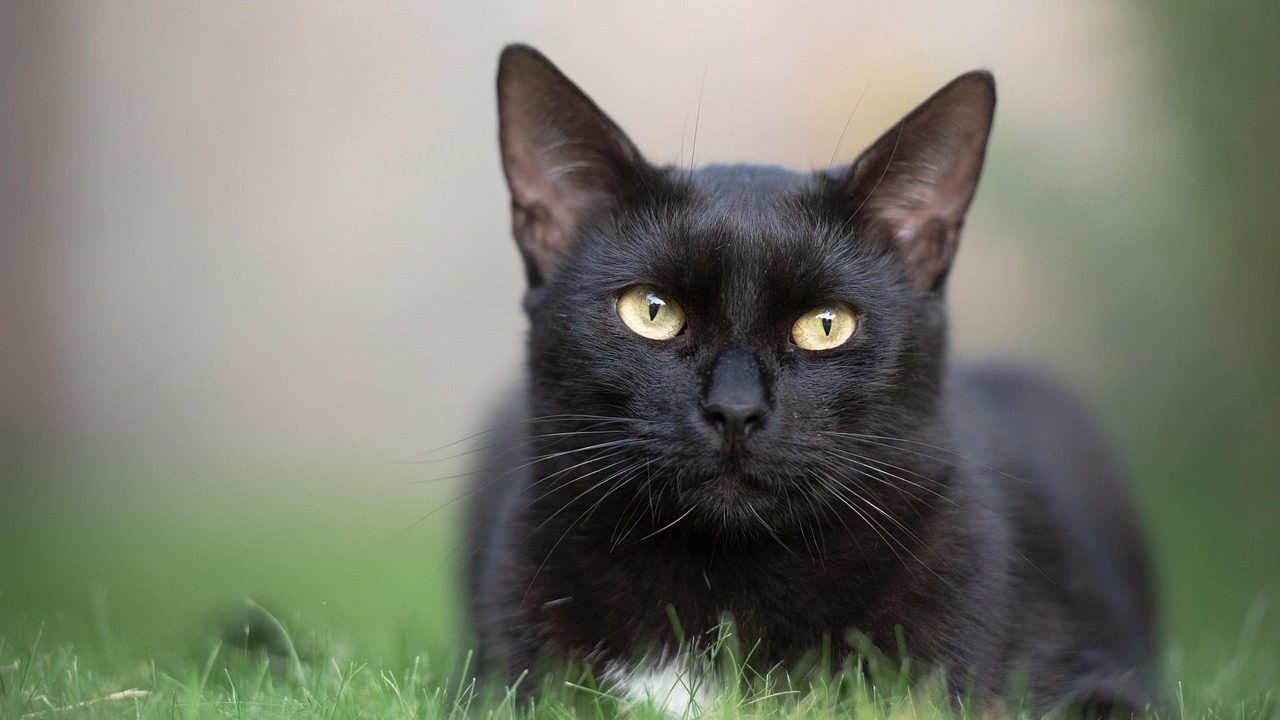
(566, 162)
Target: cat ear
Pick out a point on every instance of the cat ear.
(912, 187)
(566, 162)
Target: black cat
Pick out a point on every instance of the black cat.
(740, 405)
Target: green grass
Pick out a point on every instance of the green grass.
(125, 592)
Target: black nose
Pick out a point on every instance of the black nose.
(735, 401)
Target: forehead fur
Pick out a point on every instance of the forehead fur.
(759, 221)
(749, 195)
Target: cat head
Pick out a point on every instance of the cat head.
(735, 329)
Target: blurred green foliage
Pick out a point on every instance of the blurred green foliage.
(147, 557)
(1211, 461)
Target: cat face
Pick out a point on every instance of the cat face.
(718, 340)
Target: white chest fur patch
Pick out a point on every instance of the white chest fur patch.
(677, 685)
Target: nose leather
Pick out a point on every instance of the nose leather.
(735, 402)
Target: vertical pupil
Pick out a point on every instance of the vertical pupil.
(826, 321)
(655, 304)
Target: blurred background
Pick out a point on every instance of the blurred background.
(254, 259)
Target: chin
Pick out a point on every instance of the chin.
(729, 505)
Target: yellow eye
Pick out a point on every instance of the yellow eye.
(825, 327)
(650, 313)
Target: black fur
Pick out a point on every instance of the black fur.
(868, 487)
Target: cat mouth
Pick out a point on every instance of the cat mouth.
(734, 499)
(734, 483)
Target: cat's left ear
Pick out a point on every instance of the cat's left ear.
(912, 187)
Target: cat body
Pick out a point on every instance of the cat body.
(739, 405)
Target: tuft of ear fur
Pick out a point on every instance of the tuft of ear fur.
(566, 162)
(912, 187)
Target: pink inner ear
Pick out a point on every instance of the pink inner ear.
(536, 234)
(921, 176)
(930, 251)
(911, 201)
(533, 222)
(923, 216)
(562, 156)
(549, 204)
